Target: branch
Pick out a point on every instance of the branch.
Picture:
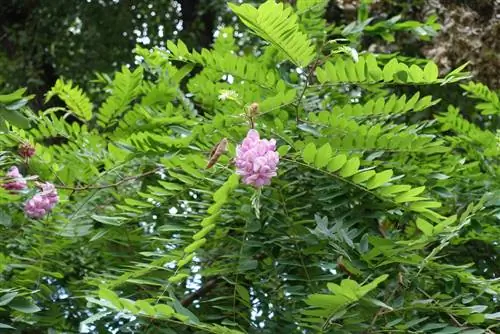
(205, 288)
(306, 85)
(130, 178)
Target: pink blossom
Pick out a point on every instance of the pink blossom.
(16, 180)
(43, 202)
(49, 191)
(37, 206)
(256, 159)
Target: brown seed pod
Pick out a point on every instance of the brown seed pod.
(217, 151)
(342, 267)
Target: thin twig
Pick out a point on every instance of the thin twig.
(383, 310)
(205, 288)
(302, 93)
(238, 272)
(293, 238)
(455, 321)
(130, 178)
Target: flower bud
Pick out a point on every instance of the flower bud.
(253, 110)
(26, 150)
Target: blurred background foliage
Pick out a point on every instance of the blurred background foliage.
(43, 40)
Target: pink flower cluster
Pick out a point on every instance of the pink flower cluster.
(256, 159)
(43, 202)
(15, 180)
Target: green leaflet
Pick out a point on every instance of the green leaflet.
(337, 162)
(363, 176)
(425, 227)
(387, 106)
(309, 153)
(323, 156)
(110, 296)
(349, 130)
(379, 179)
(194, 245)
(350, 168)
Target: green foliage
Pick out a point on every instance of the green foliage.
(387, 29)
(491, 102)
(383, 217)
(11, 109)
(73, 97)
(125, 88)
(367, 70)
(312, 17)
(392, 106)
(469, 133)
(279, 26)
(348, 292)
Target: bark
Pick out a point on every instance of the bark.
(470, 31)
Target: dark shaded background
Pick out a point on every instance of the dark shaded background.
(42, 40)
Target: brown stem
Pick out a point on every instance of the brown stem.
(302, 93)
(382, 310)
(130, 178)
(205, 288)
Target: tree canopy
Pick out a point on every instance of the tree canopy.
(283, 179)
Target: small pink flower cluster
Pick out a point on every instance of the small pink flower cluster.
(43, 202)
(256, 159)
(40, 204)
(16, 180)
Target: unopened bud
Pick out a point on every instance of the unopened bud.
(26, 150)
(253, 110)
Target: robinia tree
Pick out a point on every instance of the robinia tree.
(294, 184)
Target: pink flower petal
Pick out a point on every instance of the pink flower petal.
(256, 159)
